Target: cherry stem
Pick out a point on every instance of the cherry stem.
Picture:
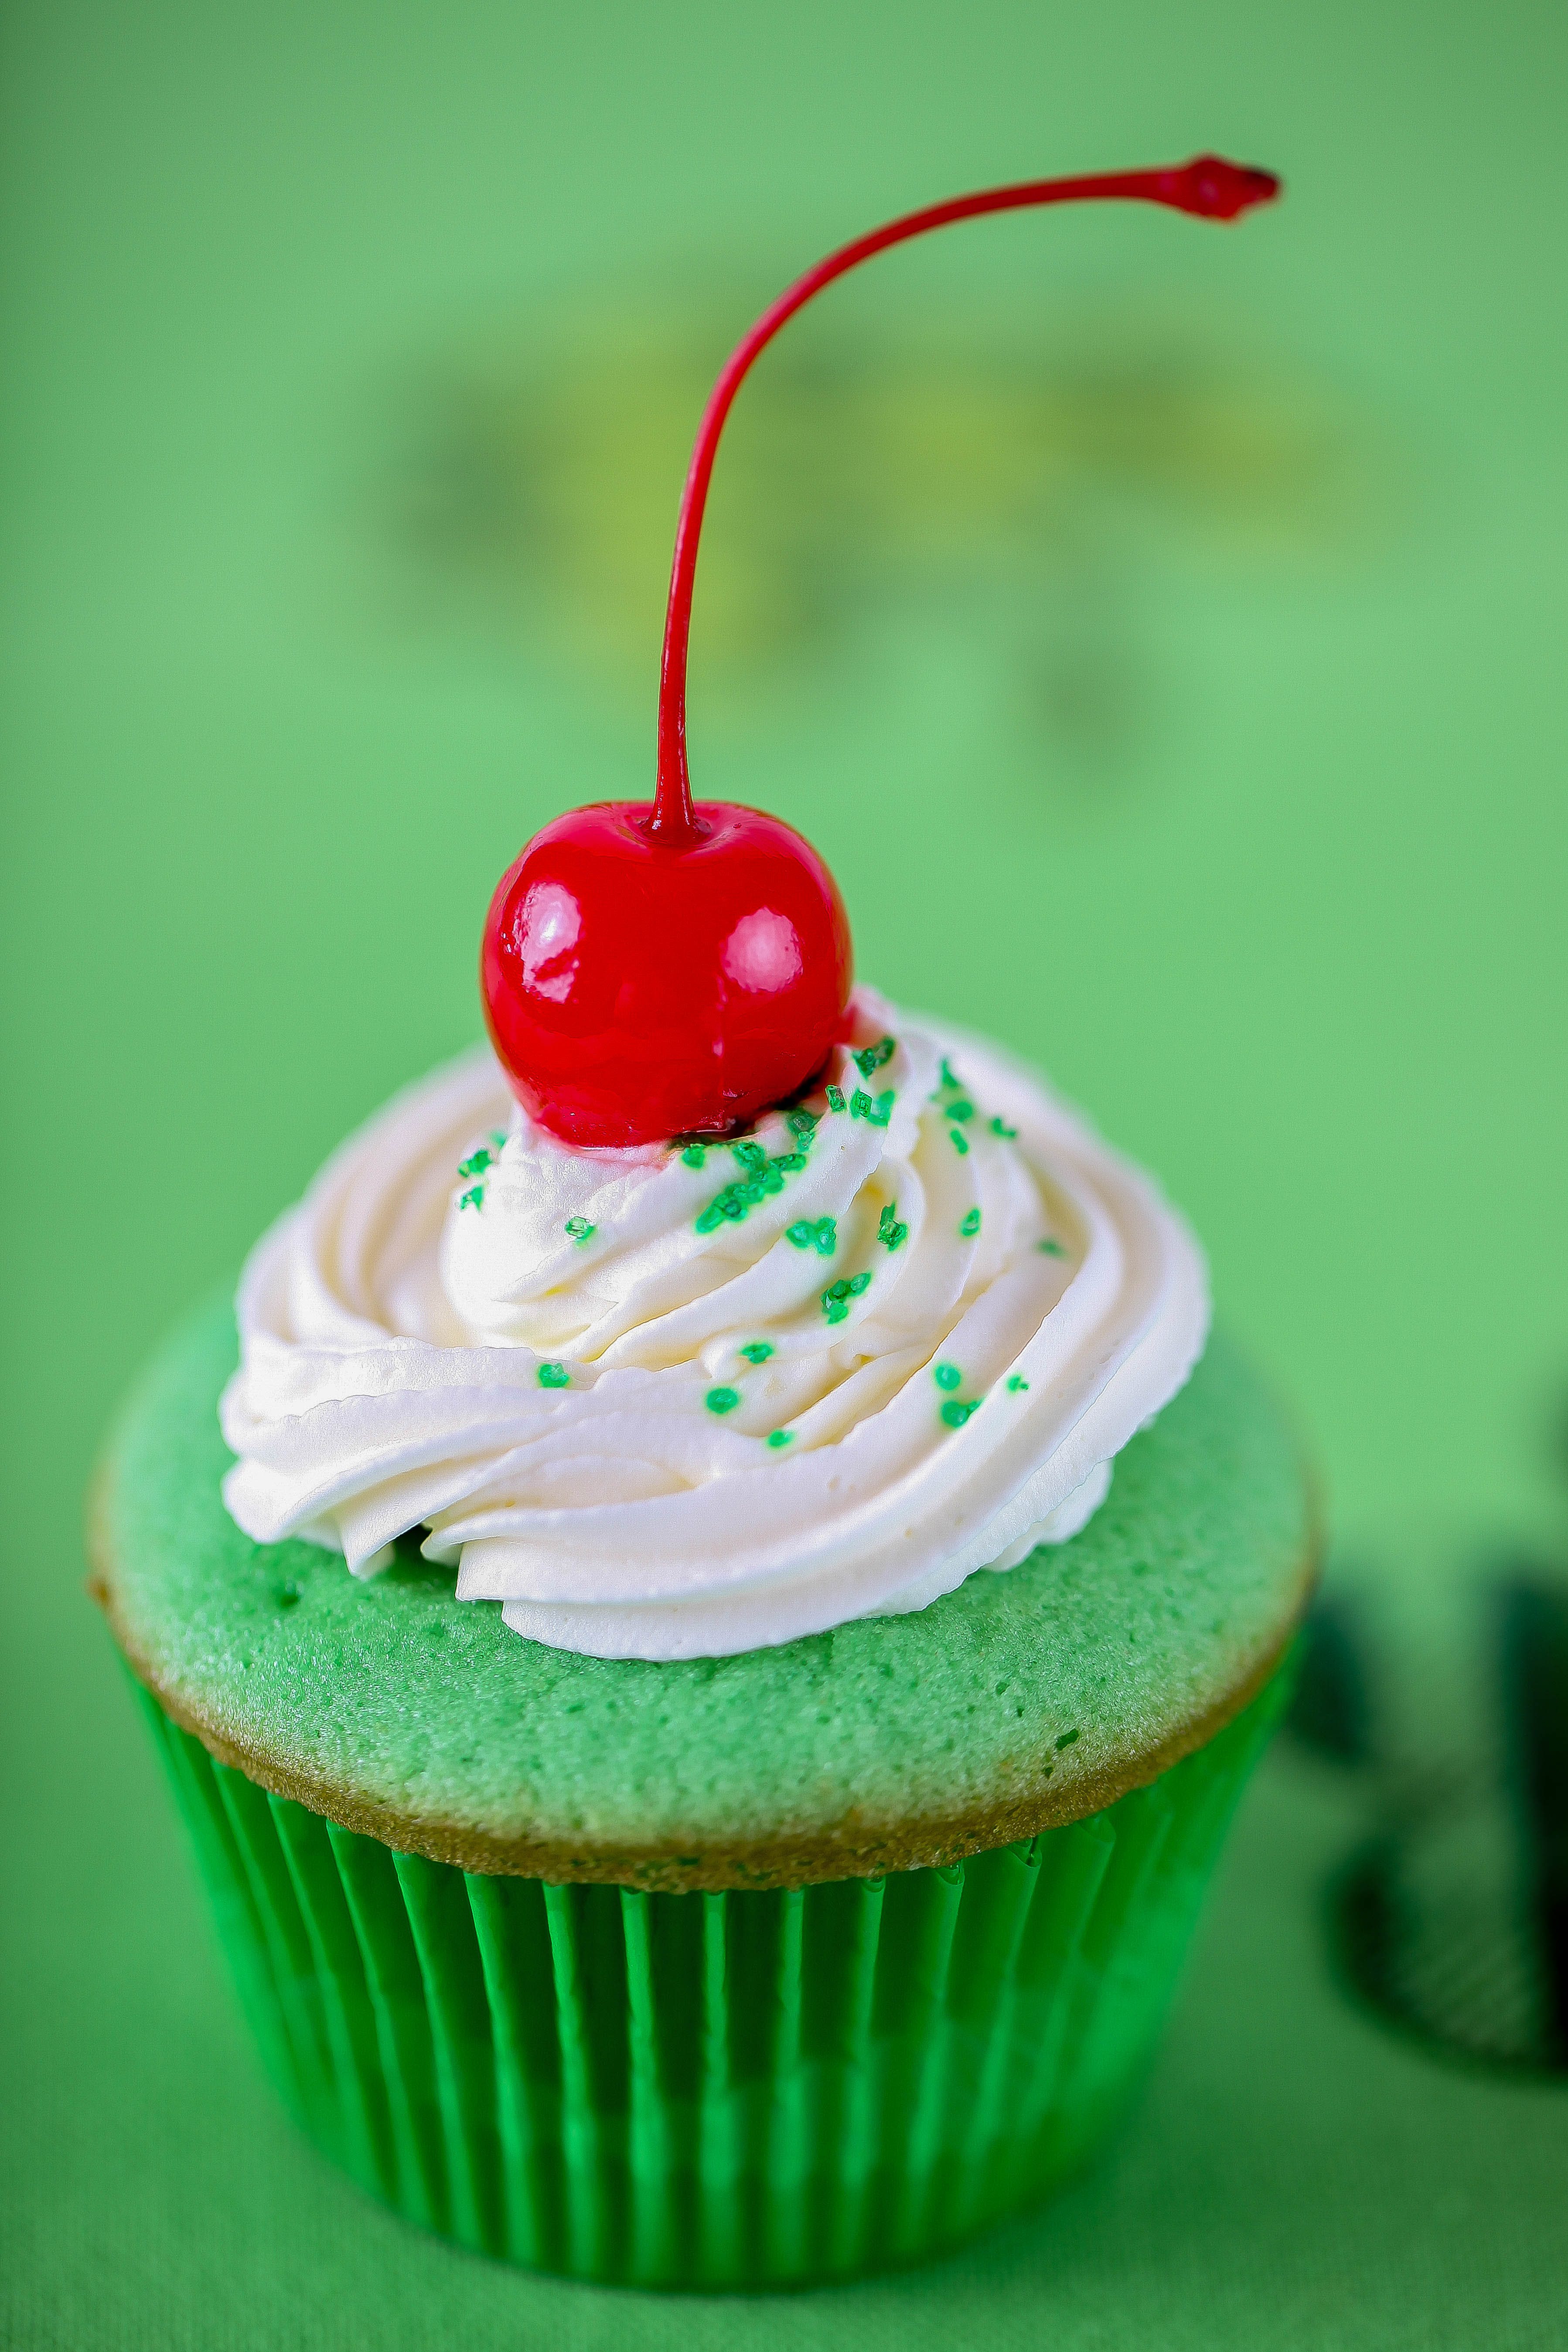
(1208, 187)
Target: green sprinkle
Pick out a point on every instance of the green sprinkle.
(948, 1376)
(749, 1154)
(722, 1400)
(580, 1229)
(860, 1103)
(497, 1138)
(834, 1097)
(474, 1199)
(971, 1225)
(1016, 1382)
(737, 1201)
(787, 1162)
(822, 1236)
(781, 1437)
(756, 1351)
(957, 1414)
(889, 1230)
(836, 1297)
(1052, 1248)
(476, 1162)
(1066, 1739)
(960, 1140)
(1000, 1127)
(871, 1058)
(883, 1112)
(960, 1110)
(553, 1376)
(804, 1124)
(947, 1077)
(695, 1155)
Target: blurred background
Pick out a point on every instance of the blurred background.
(1158, 628)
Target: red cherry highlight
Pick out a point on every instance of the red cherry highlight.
(674, 969)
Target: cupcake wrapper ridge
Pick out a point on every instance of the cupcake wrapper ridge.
(721, 2091)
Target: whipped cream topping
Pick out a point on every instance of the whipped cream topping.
(697, 1398)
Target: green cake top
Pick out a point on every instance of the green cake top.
(1022, 1699)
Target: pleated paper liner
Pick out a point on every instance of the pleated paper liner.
(711, 2091)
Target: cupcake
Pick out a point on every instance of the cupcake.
(708, 1622)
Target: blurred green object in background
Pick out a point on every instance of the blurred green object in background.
(1158, 630)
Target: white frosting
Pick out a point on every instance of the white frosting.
(649, 1427)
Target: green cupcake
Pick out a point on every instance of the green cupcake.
(707, 1669)
(732, 1965)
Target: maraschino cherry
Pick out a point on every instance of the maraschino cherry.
(674, 969)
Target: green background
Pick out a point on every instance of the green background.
(1219, 767)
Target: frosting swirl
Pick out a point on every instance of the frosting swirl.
(691, 1399)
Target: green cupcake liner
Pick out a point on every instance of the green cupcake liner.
(733, 2090)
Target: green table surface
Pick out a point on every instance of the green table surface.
(1158, 628)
